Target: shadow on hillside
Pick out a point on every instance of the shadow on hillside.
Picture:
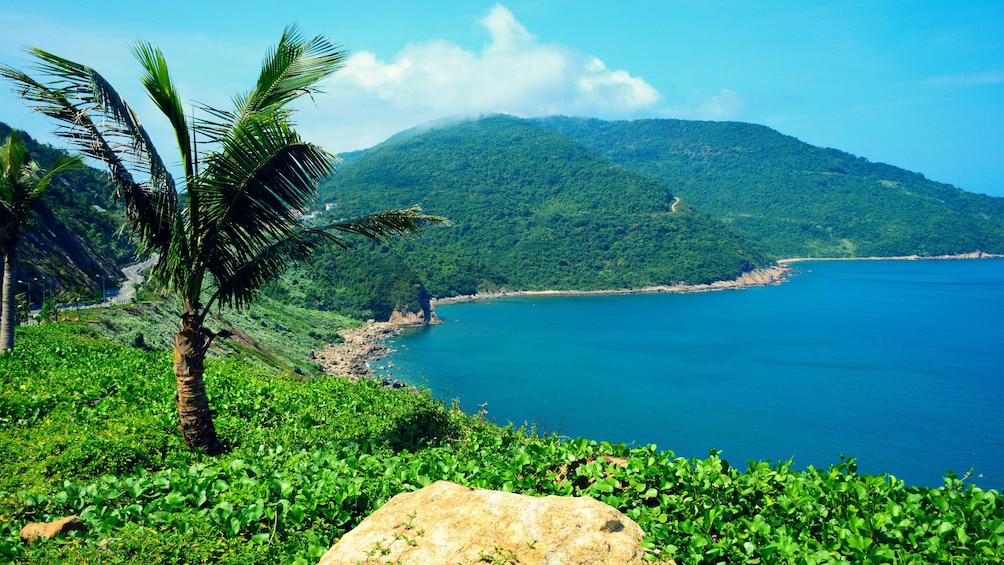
(428, 426)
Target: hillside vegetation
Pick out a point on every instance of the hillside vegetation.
(90, 429)
(76, 237)
(364, 282)
(568, 203)
(531, 209)
(270, 333)
(794, 199)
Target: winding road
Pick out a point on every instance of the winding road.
(127, 291)
(124, 295)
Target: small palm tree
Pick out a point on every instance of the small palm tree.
(233, 228)
(22, 184)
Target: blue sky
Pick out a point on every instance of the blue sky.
(916, 84)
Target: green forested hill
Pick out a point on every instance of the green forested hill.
(531, 209)
(364, 282)
(76, 238)
(792, 198)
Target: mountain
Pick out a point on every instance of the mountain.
(74, 242)
(532, 209)
(565, 203)
(794, 199)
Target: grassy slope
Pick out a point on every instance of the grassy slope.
(89, 429)
(277, 335)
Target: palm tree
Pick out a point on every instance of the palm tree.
(246, 171)
(22, 184)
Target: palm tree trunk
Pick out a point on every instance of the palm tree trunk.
(7, 316)
(190, 347)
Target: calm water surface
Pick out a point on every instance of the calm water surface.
(899, 364)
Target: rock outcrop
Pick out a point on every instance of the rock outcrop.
(358, 346)
(426, 314)
(448, 523)
(405, 318)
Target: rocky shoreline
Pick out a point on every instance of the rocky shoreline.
(759, 277)
(360, 345)
(364, 344)
(972, 255)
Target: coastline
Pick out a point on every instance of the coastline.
(360, 344)
(960, 256)
(768, 276)
(363, 344)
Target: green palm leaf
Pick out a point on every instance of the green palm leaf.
(383, 225)
(292, 69)
(22, 183)
(74, 95)
(159, 86)
(239, 274)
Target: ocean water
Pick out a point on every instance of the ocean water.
(899, 364)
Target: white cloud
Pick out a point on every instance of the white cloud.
(615, 90)
(723, 106)
(369, 100)
(507, 34)
(726, 105)
(513, 73)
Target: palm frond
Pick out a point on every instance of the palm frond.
(16, 176)
(63, 164)
(263, 173)
(14, 168)
(248, 193)
(292, 69)
(381, 226)
(22, 184)
(75, 95)
(160, 87)
(239, 275)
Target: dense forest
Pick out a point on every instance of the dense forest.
(794, 199)
(530, 209)
(364, 282)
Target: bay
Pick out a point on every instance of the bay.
(899, 364)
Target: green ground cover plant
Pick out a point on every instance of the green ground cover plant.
(88, 429)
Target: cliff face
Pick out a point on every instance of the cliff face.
(54, 255)
(425, 316)
(73, 242)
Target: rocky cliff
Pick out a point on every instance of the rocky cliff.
(52, 256)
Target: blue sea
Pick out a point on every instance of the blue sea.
(899, 364)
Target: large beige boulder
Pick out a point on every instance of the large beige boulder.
(445, 523)
(34, 530)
